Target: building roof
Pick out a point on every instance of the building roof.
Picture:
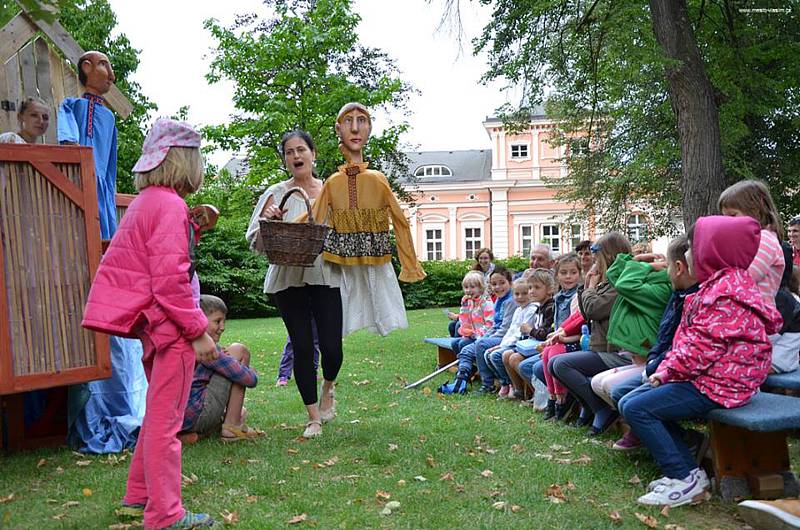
(466, 166)
(237, 166)
(538, 114)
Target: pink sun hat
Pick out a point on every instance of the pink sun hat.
(164, 134)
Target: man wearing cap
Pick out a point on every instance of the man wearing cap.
(111, 410)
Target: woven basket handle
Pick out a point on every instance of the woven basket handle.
(305, 198)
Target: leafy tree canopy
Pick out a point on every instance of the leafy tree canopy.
(602, 72)
(295, 71)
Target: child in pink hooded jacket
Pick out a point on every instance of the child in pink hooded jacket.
(720, 354)
(143, 288)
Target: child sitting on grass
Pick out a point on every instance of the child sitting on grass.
(719, 357)
(216, 400)
(526, 310)
(542, 287)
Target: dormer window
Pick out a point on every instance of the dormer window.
(433, 171)
(519, 151)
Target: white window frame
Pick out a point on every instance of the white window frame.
(573, 239)
(549, 239)
(476, 242)
(639, 227)
(441, 241)
(433, 170)
(519, 145)
(522, 238)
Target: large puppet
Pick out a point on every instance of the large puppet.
(358, 203)
(110, 410)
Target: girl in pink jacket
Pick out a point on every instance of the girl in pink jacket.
(720, 355)
(143, 288)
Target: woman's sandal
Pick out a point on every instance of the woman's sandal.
(240, 432)
(328, 414)
(192, 520)
(308, 433)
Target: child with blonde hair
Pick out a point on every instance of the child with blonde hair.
(526, 310)
(476, 315)
(143, 289)
(542, 287)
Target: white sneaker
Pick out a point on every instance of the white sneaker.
(675, 492)
(701, 475)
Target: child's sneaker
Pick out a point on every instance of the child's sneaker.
(504, 391)
(192, 520)
(675, 492)
(628, 442)
(282, 381)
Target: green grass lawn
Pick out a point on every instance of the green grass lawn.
(451, 462)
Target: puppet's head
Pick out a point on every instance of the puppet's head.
(95, 73)
(353, 127)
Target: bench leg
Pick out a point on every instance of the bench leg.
(749, 462)
(445, 356)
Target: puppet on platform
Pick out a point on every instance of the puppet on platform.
(357, 204)
(107, 414)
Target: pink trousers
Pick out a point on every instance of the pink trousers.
(554, 386)
(154, 478)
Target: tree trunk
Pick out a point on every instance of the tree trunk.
(692, 98)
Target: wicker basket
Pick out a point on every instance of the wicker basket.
(296, 244)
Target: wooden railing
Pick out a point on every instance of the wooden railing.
(50, 251)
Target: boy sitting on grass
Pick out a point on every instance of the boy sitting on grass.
(216, 400)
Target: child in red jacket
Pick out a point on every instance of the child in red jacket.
(143, 289)
(720, 355)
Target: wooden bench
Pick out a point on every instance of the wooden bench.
(751, 454)
(445, 354)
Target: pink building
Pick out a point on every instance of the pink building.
(493, 197)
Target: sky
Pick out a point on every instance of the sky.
(447, 114)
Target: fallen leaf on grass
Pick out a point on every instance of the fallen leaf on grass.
(665, 511)
(615, 517)
(500, 505)
(298, 519)
(353, 422)
(557, 447)
(59, 516)
(383, 495)
(361, 383)
(331, 461)
(386, 511)
(429, 461)
(570, 486)
(86, 492)
(515, 508)
(83, 463)
(517, 448)
(446, 476)
(543, 456)
(251, 498)
(420, 478)
(555, 494)
(487, 473)
(426, 391)
(392, 447)
(252, 461)
(229, 518)
(70, 504)
(584, 459)
(673, 527)
(393, 505)
(8, 498)
(59, 470)
(125, 526)
(41, 463)
(52, 501)
(635, 480)
(292, 451)
(647, 520)
(190, 479)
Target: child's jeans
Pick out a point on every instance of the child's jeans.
(287, 361)
(653, 415)
(604, 382)
(459, 343)
(154, 478)
(472, 354)
(623, 388)
(495, 360)
(526, 367)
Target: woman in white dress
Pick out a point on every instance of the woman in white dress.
(303, 293)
